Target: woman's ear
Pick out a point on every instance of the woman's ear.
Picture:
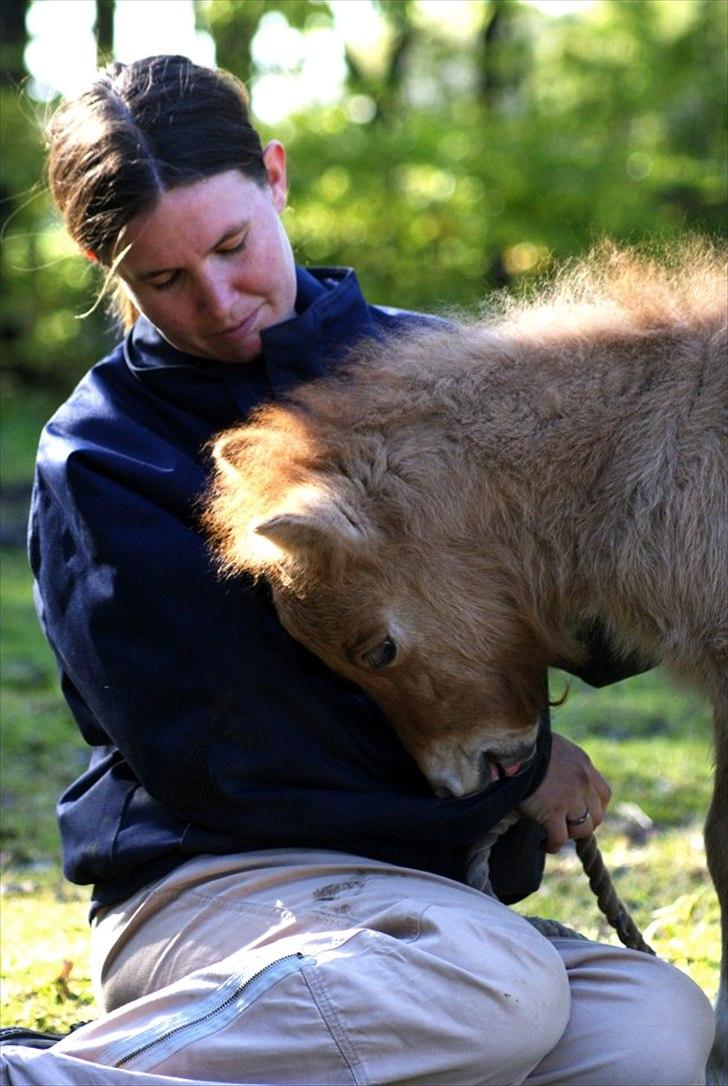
(274, 160)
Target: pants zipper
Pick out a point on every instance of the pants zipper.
(261, 980)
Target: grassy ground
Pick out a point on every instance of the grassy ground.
(43, 919)
(651, 741)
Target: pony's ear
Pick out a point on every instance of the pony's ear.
(314, 521)
(270, 512)
(228, 451)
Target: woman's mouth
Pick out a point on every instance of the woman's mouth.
(242, 328)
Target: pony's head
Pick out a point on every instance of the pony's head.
(385, 592)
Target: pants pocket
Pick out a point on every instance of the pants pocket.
(203, 1013)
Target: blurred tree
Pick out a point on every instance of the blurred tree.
(233, 25)
(42, 343)
(578, 135)
(504, 51)
(104, 30)
(398, 14)
(13, 39)
(384, 81)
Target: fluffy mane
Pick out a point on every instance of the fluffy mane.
(616, 302)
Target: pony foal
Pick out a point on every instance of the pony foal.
(445, 516)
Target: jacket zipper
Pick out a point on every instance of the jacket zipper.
(279, 968)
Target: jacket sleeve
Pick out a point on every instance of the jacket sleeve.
(121, 578)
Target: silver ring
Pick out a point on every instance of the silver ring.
(579, 821)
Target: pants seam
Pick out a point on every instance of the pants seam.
(334, 1025)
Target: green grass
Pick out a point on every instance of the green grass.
(45, 952)
(44, 924)
(42, 751)
(651, 741)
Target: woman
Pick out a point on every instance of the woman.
(278, 897)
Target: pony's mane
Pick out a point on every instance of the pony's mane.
(615, 295)
(628, 289)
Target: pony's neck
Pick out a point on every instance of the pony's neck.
(556, 470)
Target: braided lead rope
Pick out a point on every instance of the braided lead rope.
(613, 908)
(478, 873)
(600, 882)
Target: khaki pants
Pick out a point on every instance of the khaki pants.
(319, 967)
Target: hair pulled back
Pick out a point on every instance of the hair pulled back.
(139, 130)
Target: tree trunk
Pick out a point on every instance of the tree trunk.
(104, 31)
(494, 75)
(13, 39)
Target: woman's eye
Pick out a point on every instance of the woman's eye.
(236, 248)
(165, 283)
(382, 655)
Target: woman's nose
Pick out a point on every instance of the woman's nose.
(216, 295)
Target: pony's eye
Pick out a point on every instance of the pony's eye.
(382, 655)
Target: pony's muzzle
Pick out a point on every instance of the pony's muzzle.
(506, 761)
(453, 772)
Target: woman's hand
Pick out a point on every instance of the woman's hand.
(571, 787)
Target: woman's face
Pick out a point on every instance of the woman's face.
(211, 265)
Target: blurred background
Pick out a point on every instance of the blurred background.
(445, 149)
(442, 147)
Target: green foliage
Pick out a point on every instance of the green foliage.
(439, 204)
(45, 286)
(25, 412)
(454, 163)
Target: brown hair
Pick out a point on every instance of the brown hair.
(139, 130)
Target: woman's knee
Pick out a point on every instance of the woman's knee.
(539, 1004)
(633, 1019)
(509, 964)
(472, 1005)
(672, 1029)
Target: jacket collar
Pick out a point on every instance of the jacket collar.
(331, 314)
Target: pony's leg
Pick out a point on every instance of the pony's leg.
(716, 844)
